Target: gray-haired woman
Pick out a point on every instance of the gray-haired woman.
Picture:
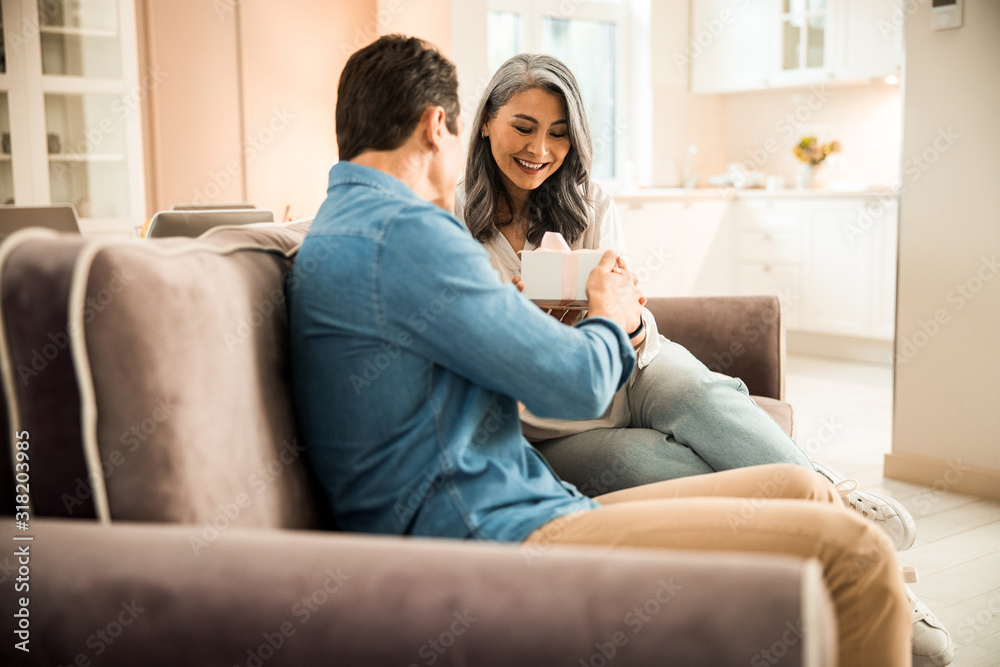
(528, 172)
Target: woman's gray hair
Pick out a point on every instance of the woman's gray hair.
(560, 203)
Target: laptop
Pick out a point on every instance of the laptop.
(60, 217)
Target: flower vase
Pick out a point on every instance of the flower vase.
(804, 179)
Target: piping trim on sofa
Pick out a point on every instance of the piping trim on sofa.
(6, 364)
(78, 344)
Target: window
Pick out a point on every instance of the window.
(588, 36)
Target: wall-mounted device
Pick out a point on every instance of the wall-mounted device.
(946, 14)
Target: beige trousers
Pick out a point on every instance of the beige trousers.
(778, 508)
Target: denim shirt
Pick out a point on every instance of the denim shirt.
(408, 359)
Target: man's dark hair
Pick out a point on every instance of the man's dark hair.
(385, 89)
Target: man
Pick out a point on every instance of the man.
(409, 357)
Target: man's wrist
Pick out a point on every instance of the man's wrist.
(638, 332)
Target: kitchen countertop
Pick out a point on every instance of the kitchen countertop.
(725, 194)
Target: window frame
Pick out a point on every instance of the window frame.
(533, 13)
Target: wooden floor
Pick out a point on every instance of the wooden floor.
(843, 416)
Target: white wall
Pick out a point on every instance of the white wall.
(947, 405)
(865, 119)
(736, 127)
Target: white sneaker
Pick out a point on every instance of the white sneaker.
(932, 645)
(888, 514)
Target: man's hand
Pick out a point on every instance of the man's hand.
(614, 293)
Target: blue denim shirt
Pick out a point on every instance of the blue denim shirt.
(408, 359)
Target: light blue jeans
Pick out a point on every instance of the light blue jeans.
(685, 420)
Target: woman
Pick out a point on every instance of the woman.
(528, 172)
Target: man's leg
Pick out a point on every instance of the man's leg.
(786, 510)
(609, 459)
(710, 413)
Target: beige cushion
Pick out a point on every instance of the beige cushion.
(185, 381)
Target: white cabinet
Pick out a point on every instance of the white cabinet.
(680, 247)
(739, 46)
(728, 49)
(838, 283)
(871, 43)
(653, 243)
(830, 260)
(707, 247)
(70, 85)
(768, 252)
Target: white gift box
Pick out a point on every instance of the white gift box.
(554, 275)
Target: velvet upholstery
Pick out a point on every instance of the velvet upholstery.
(295, 598)
(175, 398)
(35, 277)
(739, 336)
(190, 379)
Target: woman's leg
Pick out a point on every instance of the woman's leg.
(708, 412)
(609, 459)
(786, 510)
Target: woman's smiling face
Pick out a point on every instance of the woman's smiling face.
(529, 138)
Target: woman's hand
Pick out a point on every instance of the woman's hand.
(518, 283)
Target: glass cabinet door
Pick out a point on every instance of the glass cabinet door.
(85, 132)
(803, 34)
(6, 165)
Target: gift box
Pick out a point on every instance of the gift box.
(554, 275)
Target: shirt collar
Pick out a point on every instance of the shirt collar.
(348, 173)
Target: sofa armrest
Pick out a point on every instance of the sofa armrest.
(155, 594)
(741, 336)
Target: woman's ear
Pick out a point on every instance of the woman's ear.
(484, 130)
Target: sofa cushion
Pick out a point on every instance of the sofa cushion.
(184, 381)
(40, 390)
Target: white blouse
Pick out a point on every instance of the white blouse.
(604, 230)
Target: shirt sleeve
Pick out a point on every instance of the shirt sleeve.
(438, 288)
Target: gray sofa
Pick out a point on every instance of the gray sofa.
(174, 519)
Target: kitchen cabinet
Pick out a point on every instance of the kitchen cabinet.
(741, 46)
(654, 244)
(70, 110)
(680, 247)
(829, 258)
(727, 51)
(768, 252)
